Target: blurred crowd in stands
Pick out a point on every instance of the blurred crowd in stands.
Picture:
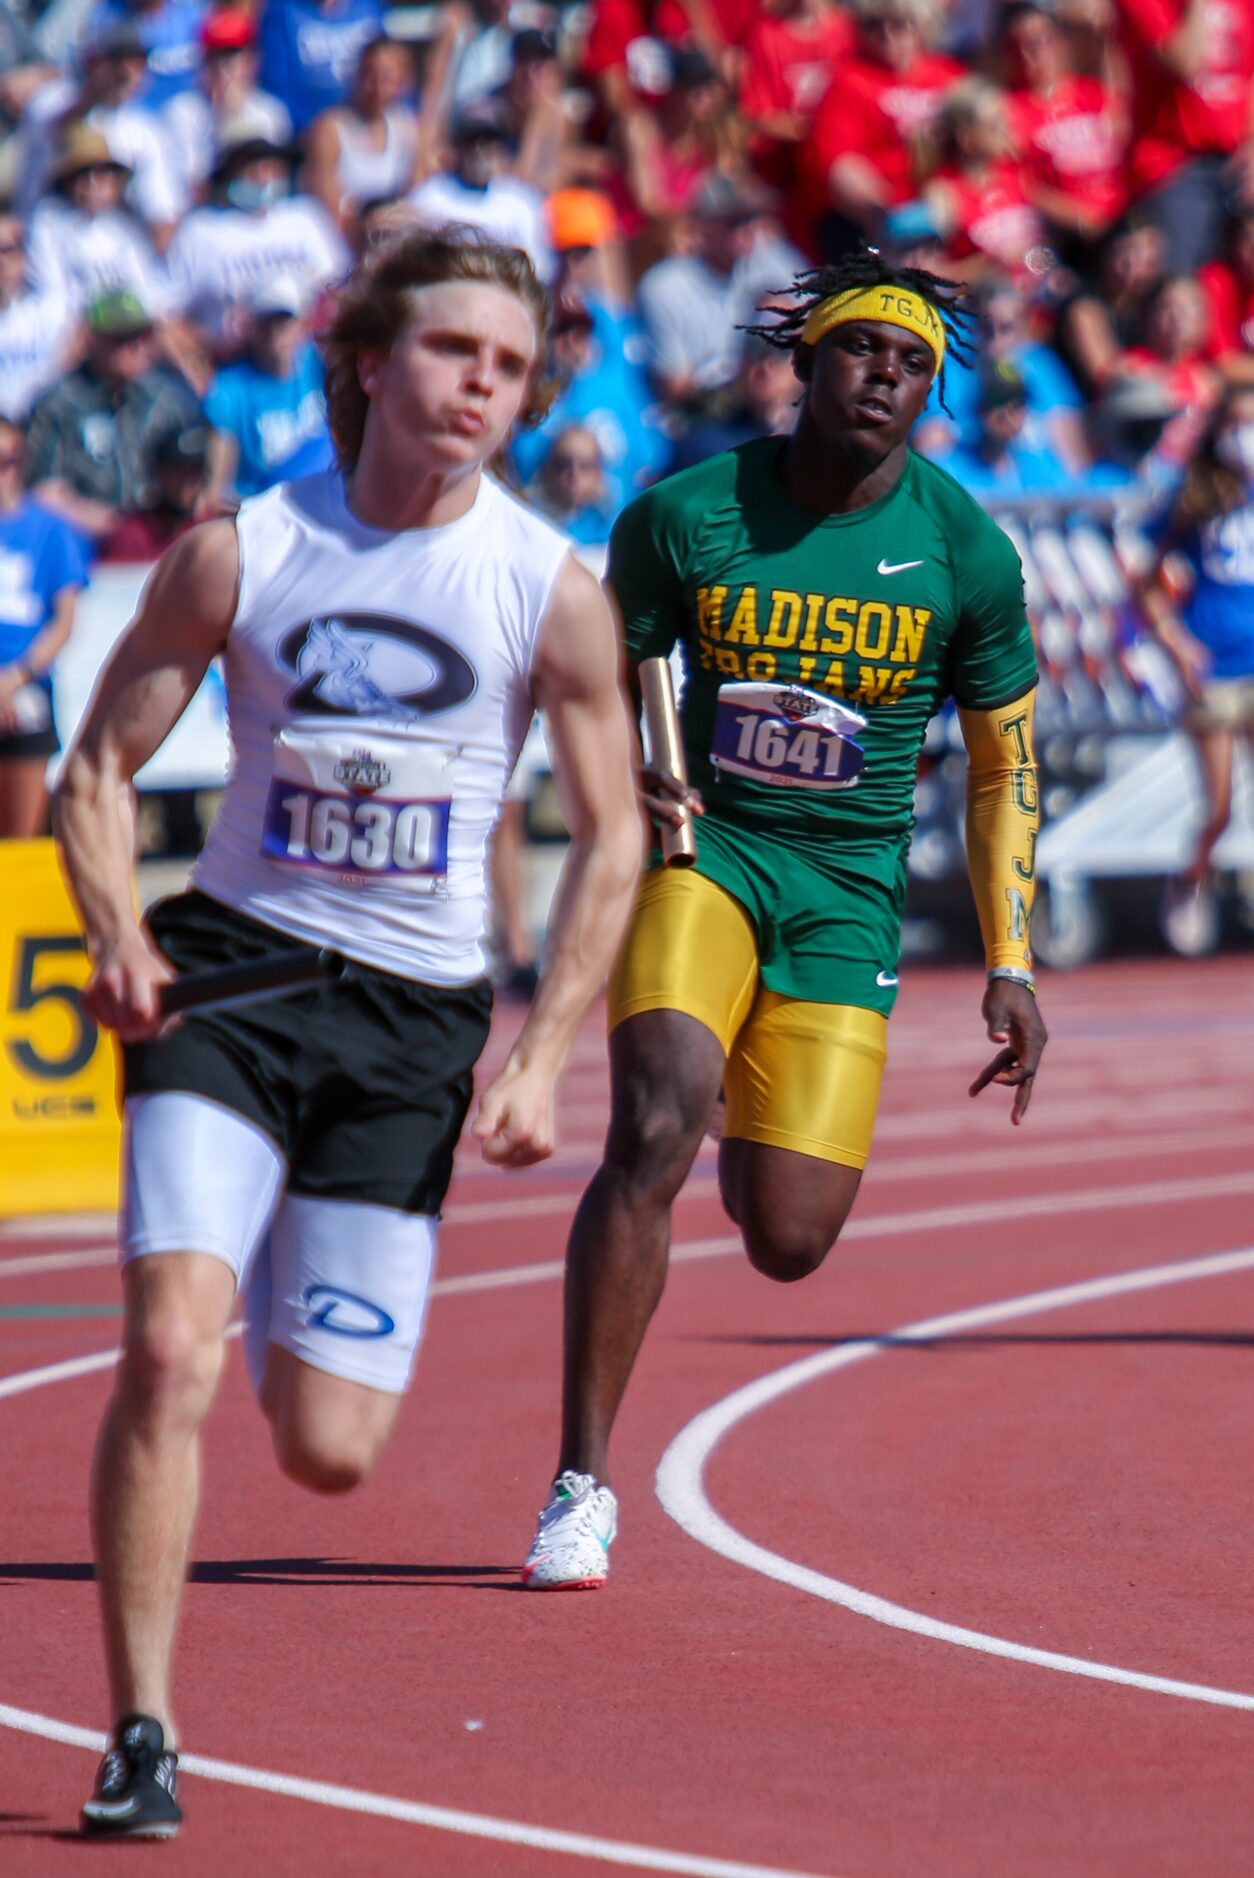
(181, 184)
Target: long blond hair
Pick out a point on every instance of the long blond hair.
(373, 304)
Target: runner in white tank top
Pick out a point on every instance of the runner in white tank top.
(386, 637)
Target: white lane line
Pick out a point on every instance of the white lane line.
(104, 1252)
(680, 1485)
(413, 1813)
(350, 1799)
(872, 1226)
(877, 1226)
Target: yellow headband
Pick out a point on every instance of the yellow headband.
(895, 306)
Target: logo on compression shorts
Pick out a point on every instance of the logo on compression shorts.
(373, 665)
(345, 1313)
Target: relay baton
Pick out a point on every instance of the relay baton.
(226, 987)
(666, 752)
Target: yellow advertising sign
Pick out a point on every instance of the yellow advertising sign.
(59, 1128)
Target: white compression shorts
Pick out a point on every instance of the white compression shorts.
(343, 1285)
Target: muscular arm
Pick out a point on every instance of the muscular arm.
(1001, 825)
(576, 686)
(182, 622)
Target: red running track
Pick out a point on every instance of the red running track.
(1078, 1482)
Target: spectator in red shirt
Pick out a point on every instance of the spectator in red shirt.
(978, 194)
(181, 471)
(862, 155)
(1192, 68)
(1104, 316)
(791, 54)
(670, 152)
(1072, 130)
(1229, 289)
(623, 55)
(1173, 352)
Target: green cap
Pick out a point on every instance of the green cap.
(118, 314)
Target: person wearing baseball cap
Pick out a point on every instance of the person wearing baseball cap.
(180, 461)
(112, 71)
(269, 408)
(93, 434)
(1003, 461)
(251, 228)
(225, 106)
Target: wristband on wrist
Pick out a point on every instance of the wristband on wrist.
(1015, 975)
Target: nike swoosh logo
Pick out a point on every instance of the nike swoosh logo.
(886, 980)
(896, 567)
(111, 1809)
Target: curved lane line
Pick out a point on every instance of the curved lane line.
(681, 1489)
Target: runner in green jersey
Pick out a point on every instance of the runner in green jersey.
(890, 609)
(828, 591)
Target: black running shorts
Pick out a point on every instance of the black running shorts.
(363, 1084)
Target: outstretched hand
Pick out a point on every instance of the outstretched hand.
(1014, 1021)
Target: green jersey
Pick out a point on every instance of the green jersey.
(889, 610)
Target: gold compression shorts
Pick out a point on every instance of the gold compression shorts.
(799, 1075)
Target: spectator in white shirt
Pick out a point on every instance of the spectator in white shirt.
(35, 328)
(83, 241)
(226, 105)
(368, 147)
(251, 230)
(114, 65)
(692, 305)
(479, 190)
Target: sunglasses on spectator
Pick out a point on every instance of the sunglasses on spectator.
(563, 461)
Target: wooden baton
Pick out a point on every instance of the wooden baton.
(666, 752)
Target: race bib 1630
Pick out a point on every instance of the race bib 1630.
(377, 812)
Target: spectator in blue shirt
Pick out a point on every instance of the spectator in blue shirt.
(42, 569)
(169, 31)
(269, 408)
(603, 390)
(1003, 462)
(571, 487)
(1210, 639)
(765, 405)
(310, 50)
(1053, 405)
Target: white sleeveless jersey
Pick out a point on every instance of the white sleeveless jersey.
(378, 693)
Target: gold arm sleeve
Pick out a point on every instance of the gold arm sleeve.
(1003, 816)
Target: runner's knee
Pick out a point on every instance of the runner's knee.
(171, 1364)
(328, 1460)
(787, 1249)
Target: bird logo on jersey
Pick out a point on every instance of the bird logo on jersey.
(373, 665)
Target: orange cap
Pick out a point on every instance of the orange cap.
(581, 218)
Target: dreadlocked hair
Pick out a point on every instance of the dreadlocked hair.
(864, 269)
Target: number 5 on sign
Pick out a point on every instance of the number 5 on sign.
(58, 1072)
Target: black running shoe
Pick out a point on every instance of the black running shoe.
(134, 1797)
